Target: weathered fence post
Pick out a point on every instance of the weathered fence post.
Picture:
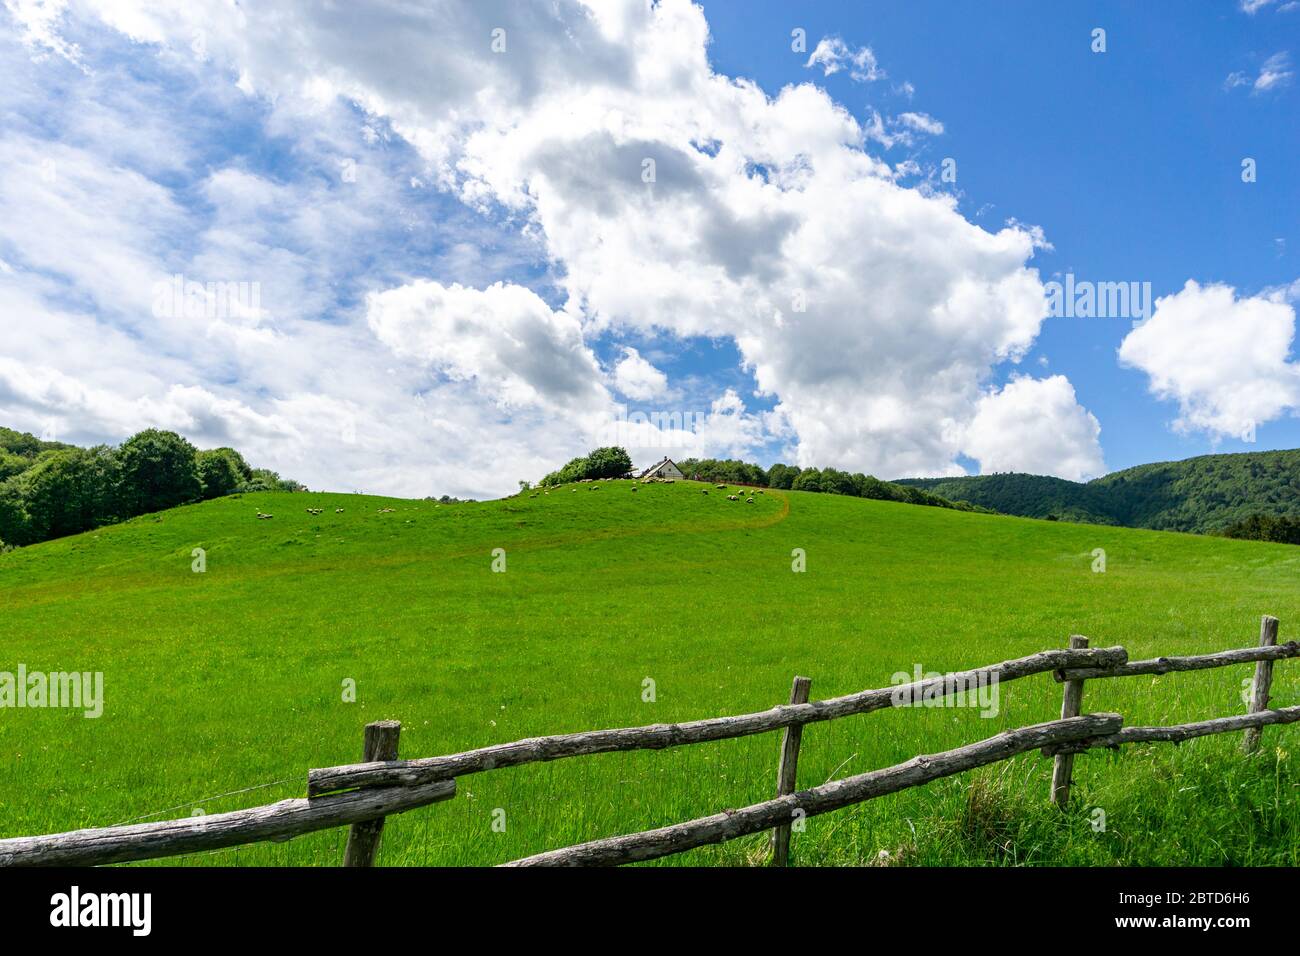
(1071, 701)
(1263, 682)
(363, 838)
(788, 770)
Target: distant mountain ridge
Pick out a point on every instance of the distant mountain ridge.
(1206, 494)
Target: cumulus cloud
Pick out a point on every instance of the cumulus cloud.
(504, 338)
(638, 379)
(1035, 426)
(1222, 357)
(840, 288)
(664, 198)
(727, 430)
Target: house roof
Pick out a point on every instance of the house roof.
(654, 469)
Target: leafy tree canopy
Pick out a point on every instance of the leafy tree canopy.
(50, 489)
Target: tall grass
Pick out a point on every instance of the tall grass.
(234, 678)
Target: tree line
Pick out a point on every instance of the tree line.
(829, 481)
(1278, 529)
(51, 489)
(614, 462)
(1211, 494)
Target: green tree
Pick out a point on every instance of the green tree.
(14, 522)
(837, 482)
(157, 471)
(609, 462)
(782, 476)
(810, 479)
(26, 444)
(11, 464)
(59, 495)
(264, 479)
(222, 471)
(103, 485)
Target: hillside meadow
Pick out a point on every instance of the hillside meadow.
(236, 678)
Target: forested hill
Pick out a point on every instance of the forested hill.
(49, 489)
(1206, 494)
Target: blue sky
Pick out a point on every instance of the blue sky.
(1129, 160)
(462, 276)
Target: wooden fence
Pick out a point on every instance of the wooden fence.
(362, 795)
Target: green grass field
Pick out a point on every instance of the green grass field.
(234, 678)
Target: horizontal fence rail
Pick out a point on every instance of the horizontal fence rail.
(831, 796)
(274, 822)
(361, 795)
(1180, 732)
(1168, 665)
(661, 736)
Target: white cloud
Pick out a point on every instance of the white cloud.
(832, 54)
(1254, 6)
(1223, 358)
(922, 123)
(727, 430)
(1274, 73)
(1035, 426)
(842, 290)
(901, 129)
(39, 21)
(638, 379)
(504, 338)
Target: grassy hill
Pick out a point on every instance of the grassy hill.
(1204, 494)
(233, 678)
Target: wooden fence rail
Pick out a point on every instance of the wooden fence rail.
(1180, 732)
(1168, 665)
(660, 736)
(275, 822)
(362, 795)
(830, 796)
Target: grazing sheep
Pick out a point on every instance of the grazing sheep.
(749, 501)
(338, 511)
(705, 490)
(733, 497)
(634, 487)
